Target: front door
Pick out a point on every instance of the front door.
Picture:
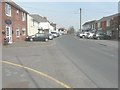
(9, 34)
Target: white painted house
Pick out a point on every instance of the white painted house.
(44, 24)
(51, 29)
(37, 23)
(33, 25)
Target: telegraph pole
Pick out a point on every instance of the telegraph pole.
(80, 19)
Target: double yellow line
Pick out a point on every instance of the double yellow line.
(38, 72)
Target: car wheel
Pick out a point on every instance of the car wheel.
(90, 37)
(46, 40)
(83, 36)
(98, 38)
(109, 38)
(31, 39)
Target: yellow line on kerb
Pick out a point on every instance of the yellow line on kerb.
(38, 72)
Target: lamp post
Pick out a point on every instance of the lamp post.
(80, 19)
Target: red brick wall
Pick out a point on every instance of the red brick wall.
(3, 23)
(0, 22)
(16, 22)
(103, 25)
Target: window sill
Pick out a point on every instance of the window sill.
(8, 15)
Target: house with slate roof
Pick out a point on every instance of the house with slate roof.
(44, 24)
(91, 25)
(109, 24)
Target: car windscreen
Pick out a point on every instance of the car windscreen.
(53, 32)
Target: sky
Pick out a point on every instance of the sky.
(66, 14)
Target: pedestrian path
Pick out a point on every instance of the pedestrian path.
(29, 44)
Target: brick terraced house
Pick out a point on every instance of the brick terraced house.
(0, 23)
(14, 22)
(108, 24)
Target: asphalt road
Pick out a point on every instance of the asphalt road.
(65, 61)
(97, 61)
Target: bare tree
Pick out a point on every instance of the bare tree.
(71, 30)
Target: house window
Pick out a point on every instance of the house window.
(108, 23)
(17, 12)
(36, 24)
(23, 16)
(23, 31)
(17, 32)
(92, 26)
(98, 25)
(7, 9)
(33, 22)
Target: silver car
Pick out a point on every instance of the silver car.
(50, 36)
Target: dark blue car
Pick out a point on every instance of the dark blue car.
(38, 37)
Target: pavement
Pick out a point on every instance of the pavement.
(15, 77)
(29, 44)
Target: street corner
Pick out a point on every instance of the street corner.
(14, 77)
(25, 44)
(19, 78)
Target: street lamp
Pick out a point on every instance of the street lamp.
(80, 19)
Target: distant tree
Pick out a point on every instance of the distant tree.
(71, 30)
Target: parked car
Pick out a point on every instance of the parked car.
(90, 35)
(50, 36)
(55, 34)
(38, 37)
(83, 34)
(100, 36)
(60, 33)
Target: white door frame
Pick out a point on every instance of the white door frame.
(9, 34)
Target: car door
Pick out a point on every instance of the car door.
(36, 38)
(40, 37)
(43, 36)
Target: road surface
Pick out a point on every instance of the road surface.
(65, 61)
